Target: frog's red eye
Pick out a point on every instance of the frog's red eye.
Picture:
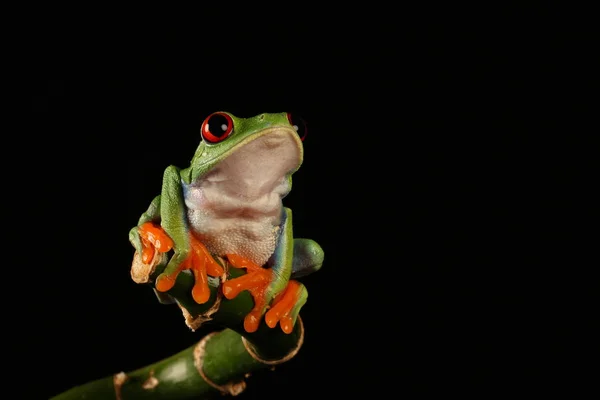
(216, 127)
(299, 125)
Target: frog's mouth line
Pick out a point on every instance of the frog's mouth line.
(275, 130)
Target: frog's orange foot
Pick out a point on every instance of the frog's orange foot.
(201, 263)
(256, 281)
(286, 306)
(154, 239)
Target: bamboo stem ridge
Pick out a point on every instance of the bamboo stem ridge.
(217, 365)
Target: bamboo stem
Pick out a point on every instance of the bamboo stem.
(216, 365)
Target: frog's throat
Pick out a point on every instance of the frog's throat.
(200, 169)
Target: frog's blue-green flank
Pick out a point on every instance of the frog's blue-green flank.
(228, 203)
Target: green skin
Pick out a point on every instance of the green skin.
(291, 257)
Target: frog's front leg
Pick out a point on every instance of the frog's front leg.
(272, 287)
(189, 252)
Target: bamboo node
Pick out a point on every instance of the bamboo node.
(250, 348)
(118, 381)
(229, 388)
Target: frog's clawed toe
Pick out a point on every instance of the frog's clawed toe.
(201, 263)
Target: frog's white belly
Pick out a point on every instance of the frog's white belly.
(236, 208)
(232, 225)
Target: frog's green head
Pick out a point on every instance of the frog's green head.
(247, 148)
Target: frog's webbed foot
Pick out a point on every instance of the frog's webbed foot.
(153, 239)
(199, 260)
(286, 306)
(257, 281)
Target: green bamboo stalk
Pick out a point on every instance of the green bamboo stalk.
(216, 365)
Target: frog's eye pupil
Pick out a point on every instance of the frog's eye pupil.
(216, 127)
(298, 124)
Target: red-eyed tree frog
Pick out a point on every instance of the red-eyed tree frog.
(228, 203)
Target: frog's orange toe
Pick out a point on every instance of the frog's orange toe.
(202, 264)
(164, 283)
(283, 304)
(252, 320)
(154, 238)
(147, 252)
(287, 324)
(200, 291)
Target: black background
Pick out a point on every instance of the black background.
(444, 176)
